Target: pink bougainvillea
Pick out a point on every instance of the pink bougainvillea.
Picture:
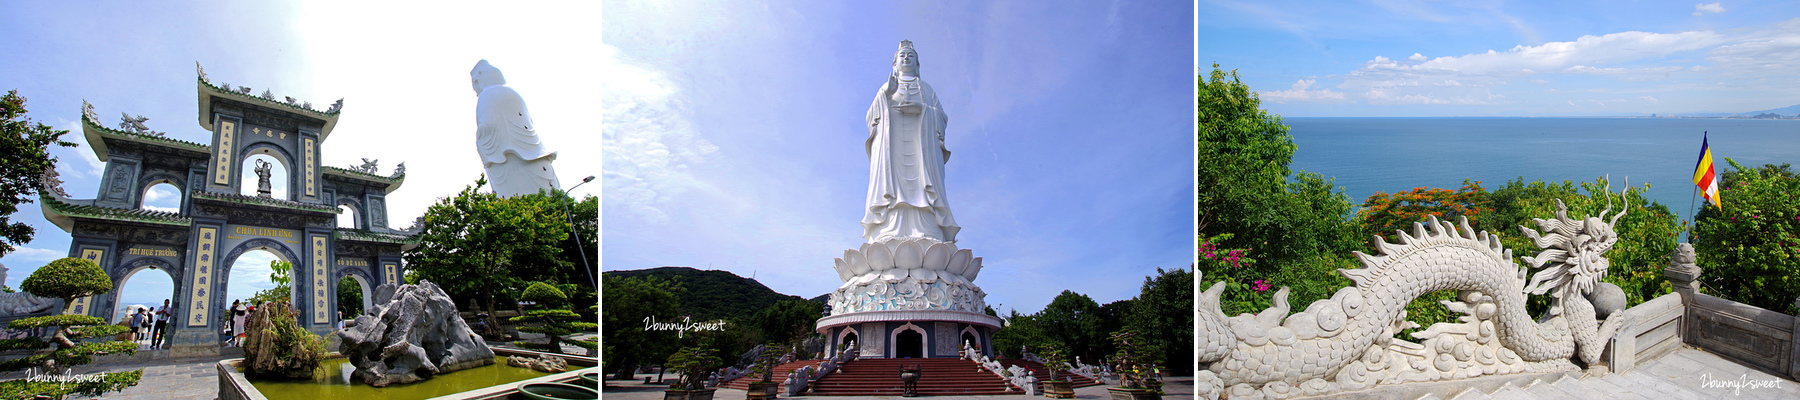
(1260, 286)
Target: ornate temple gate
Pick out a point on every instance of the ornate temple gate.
(216, 224)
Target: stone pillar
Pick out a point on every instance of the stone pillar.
(1682, 272)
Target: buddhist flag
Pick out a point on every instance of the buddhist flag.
(1704, 176)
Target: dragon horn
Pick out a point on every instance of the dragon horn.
(1615, 219)
(1606, 191)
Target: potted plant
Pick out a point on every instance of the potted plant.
(693, 363)
(1054, 386)
(1137, 376)
(765, 366)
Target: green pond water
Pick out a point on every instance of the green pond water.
(333, 382)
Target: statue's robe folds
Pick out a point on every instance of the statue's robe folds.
(906, 196)
(514, 157)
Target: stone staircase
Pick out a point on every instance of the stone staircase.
(781, 371)
(1683, 374)
(938, 377)
(1038, 370)
(1616, 386)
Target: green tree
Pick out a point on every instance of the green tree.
(1750, 249)
(66, 279)
(281, 273)
(1073, 320)
(478, 245)
(1022, 330)
(1164, 314)
(630, 303)
(554, 318)
(349, 297)
(1265, 226)
(788, 320)
(27, 148)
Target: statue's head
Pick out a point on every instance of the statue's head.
(485, 75)
(905, 59)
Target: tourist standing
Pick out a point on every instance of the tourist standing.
(238, 312)
(137, 321)
(231, 324)
(162, 322)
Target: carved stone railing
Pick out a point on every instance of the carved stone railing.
(1654, 329)
(1017, 377)
(727, 374)
(801, 379)
(1762, 338)
(1099, 373)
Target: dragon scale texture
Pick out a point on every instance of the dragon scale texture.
(1346, 342)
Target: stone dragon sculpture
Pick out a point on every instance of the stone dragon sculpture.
(1346, 342)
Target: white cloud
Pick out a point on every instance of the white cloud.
(1527, 60)
(1583, 69)
(649, 142)
(33, 255)
(1449, 83)
(1778, 52)
(1652, 100)
(1416, 57)
(1708, 8)
(90, 165)
(1299, 92)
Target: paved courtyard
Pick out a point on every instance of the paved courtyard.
(185, 378)
(1181, 387)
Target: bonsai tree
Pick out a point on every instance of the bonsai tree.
(66, 279)
(276, 345)
(765, 363)
(557, 321)
(1134, 370)
(693, 363)
(1055, 357)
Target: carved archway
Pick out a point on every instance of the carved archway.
(281, 157)
(222, 276)
(363, 279)
(923, 341)
(123, 273)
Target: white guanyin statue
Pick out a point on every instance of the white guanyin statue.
(906, 159)
(516, 160)
(909, 259)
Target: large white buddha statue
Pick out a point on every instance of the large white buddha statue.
(906, 159)
(516, 160)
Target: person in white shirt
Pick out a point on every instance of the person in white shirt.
(162, 322)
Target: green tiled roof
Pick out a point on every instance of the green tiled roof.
(114, 214)
(242, 199)
(363, 175)
(182, 144)
(371, 236)
(273, 102)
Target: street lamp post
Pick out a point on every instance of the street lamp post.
(579, 245)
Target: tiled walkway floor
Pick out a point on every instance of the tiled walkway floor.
(173, 378)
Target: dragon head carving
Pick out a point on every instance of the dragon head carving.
(1572, 259)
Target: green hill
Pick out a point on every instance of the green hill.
(712, 294)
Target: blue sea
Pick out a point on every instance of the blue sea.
(1367, 155)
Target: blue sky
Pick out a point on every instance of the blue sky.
(734, 137)
(402, 70)
(1384, 58)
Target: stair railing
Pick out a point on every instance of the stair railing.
(1017, 377)
(800, 380)
(729, 374)
(1099, 373)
